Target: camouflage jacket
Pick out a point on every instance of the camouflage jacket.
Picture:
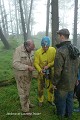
(65, 68)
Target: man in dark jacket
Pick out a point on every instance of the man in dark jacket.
(65, 75)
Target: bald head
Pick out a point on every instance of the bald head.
(29, 45)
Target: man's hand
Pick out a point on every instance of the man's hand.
(46, 67)
(54, 87)
(42, 73)
(77, 82)
(30, 68)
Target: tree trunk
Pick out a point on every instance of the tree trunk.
(17, 21)
(25, 11)
(10, 17)
(28, 26)
(55, 21)
(3, 17)
(75, 23)
(23, 22)
(3, 39)
(47, 19)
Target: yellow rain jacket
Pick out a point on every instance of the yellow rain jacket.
(42, 58)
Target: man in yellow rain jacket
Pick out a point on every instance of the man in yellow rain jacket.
(43, 62)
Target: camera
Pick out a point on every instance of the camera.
(46, 71)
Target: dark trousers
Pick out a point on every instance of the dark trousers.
(64, 102)
(77, 91)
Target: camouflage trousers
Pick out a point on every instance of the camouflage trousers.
(23, 86)
(49, 86)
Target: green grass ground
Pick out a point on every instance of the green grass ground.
(10, 105)
(10, 108)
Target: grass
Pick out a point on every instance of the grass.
(10, 108)
(10, 105)
(6, 65)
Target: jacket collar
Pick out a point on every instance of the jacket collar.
(63, 43)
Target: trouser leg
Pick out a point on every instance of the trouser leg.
(23, 85)
(69, 103)
(60, 102)
(50, 91)
(40, 90)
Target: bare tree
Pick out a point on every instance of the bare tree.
(3, 18)
(28, 26)
(47, 19)
(11, 28)
(65, 7)
(4, 40)
(55, 21)
(75, 23)
(26, 12)
(16, 16)
(26, 36)
(23, 22)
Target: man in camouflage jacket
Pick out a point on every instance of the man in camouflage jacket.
(65, 76)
